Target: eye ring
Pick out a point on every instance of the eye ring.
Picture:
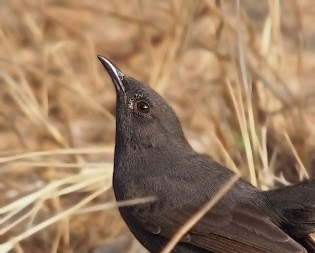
(143, 107)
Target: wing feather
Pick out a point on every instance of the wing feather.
(248, 230)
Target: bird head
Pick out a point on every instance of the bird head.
(143, 118)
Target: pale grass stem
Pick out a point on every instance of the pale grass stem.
(35, 209)
(43, 195)
(5, 247)
(239, 108)
(105, 206)
(48, 189)
(301, 165)
(200, 214)
(68, 151)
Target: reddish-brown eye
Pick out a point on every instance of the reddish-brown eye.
(143, 107)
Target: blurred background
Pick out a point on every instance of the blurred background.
(240, 78)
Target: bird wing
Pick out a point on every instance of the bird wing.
(245, 228)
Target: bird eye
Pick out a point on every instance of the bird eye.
(143, 107)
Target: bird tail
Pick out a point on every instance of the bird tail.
(295, 206)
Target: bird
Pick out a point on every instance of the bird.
(153, 158)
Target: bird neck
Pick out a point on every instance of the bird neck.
(135, 165)
(135, 144)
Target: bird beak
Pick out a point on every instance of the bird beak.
(114, 72)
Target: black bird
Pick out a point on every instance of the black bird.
(153, 158)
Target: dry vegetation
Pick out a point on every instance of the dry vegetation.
(240, 79)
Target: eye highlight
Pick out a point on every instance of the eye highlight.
(143, 107)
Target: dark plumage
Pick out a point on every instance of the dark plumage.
(153, 158)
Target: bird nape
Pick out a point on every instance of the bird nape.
(153, 158)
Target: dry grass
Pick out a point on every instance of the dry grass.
(239, 77)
